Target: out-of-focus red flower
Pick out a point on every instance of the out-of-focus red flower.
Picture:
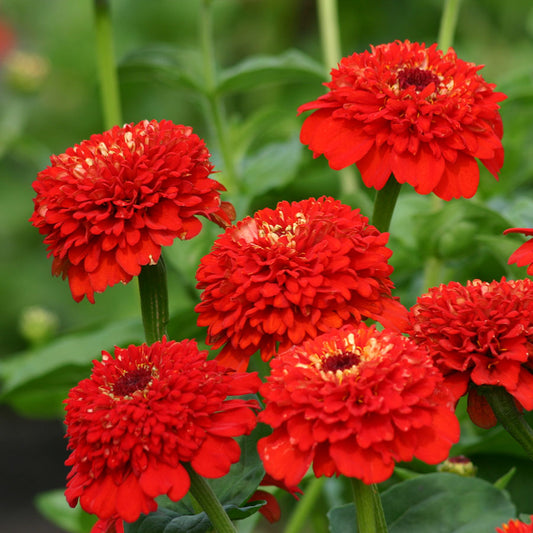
(412, 111)
(516, 526)
(479, 334)
(354, 401)
(7, 39)
(524, 254)
(143, 413)
(271, 510)
(291, 273)
(109, 204)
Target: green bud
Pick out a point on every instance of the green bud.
(38, 325)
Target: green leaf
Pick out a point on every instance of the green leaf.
(440, 503)
(502, 482)
(36, 381)
(273, 166)
(166, 521)
(261, 70)
(343, 519)
(53, 506)
(172, 66)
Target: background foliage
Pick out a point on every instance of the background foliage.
(269, 61)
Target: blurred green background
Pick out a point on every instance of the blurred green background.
(49, 100)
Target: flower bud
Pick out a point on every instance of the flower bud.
(459, 465)
(38, 325)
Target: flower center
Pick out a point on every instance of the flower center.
(340, 362)
(418, 77)
(132, 381)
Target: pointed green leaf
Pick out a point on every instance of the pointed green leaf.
(172, 66)
(261, 70)
(273, 166)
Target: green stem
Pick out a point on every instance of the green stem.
(328, 22)
(204, 495)
(216, 108)
(154, 300)
(305, 506)
(504, 407)
(384, 204)
(106, 64)
(448, 23)
(433, 269)
(370, 516)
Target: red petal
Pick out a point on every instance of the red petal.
(271, 510)
(340, 140)
(215, 456)
(375, 166)
(460, 179)
(281, 460)
(363, 464)
(480, 411)
(423, 170)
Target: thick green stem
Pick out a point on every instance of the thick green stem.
(204, 495)
(154, 300)
(384, 204)
(305, 506)
(328, 23)
(107, 71)
(448, 23)
(504, 407)
(370, 516)
(216, 108)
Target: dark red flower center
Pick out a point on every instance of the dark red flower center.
(132, 381)
(418, 77)
(342, 361)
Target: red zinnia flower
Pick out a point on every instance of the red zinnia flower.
(109, 204)
(524, 254)
(141, 415)
(354, 401)
(479, 334)
(412, 111)
(515, 526)
(291, 273)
